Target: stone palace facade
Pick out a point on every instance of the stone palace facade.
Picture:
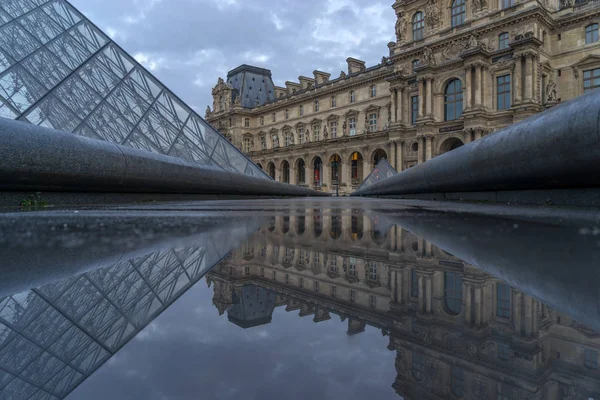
(459, 70)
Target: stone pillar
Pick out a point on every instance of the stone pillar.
(393, 154)
(399, 284)
(420, 152)
(421, 99)
(516, 311)
(429, 100)
(394, 93)
(421, 293)
(346, 178)
(478, 89)
(367, 168)
(400, 155)
(534, 74)
(326, 175)
(478, 134)
(293, 175)
(428, 147)
(528, 311)
(468, 303)
(355, 326)
(528, 77)
(517, 80)
(399, 105)
(307, 174)
(478, 305)
(429, 291)
(468, 87)
(468, 136)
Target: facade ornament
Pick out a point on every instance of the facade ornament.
(479, 5)
(551, 91)
(566, 3)
(342, 74)
(344, 127)
(384, 60)
(207, 113)
(452, 50)
(433, 14)
(401, 25)
(473, 43)
(238, 100)
(325, 133)
(428, 57)
(366, 124)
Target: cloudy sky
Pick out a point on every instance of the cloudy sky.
(190, 352)
(189, 43)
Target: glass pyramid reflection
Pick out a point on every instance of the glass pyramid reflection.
(382, 170)
(58, 70)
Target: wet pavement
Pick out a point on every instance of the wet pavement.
(300, 298)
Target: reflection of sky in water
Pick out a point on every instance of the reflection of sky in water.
(190, 352)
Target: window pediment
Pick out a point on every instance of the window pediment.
(286, 128)
(316, 121)
(273, 130)
(372, 109)
(351, 113)
(333, 117)
(588, 61)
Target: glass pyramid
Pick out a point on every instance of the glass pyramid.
(382, 170)
(58, 70)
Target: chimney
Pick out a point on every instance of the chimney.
(355, 65)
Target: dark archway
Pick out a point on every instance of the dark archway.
(271, 170)
(378, 156)
(450, 144)
(285, 172)
(356, 168)
(318, 172)
(336, 169)
(300, 172)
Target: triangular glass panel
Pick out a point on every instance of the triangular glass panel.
(61, 13)
(382, 170)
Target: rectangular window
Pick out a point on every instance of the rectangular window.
(591, 359)
(316, 133)
(301, 138)
(316, 105)
(263, 142)
(373, 91)
(333, 264)
(503, 92)
(352, 96)
(246, 271)
(352, 295)
(591, 79)
(287, 114)
(414, 109)
(333, 129)
(415, 64)
(262, 121)
(414, 283)
(507, 3)
(373, 301)
(317, 286)
(373, 271)
(287, 279)
(333, 102)
(289, 139)
(591, 33)
(301, 109)
(301, 282)
(352, 267)
(373, 122)
(247, 122)
(352, 124)
(247, 145)
(503, 300)
(274, 117)
(333, 291)
(262, 272)
(274, 275)
(503, 351)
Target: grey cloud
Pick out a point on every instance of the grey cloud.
(169, 35)
(189, 355)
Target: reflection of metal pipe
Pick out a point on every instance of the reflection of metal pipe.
(39, 248)
(557, 264)
(558, 148)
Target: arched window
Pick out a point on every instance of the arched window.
(458, 381)
(247, 144)
(373, 91)
(453, 100)
(453, 293)
(352, 96)
(418, 367)
(316, 105)
(503, 41)
(301, 172)
(418, 25)
(285, 172)
(356, 168)
(458, 12)
(317, 172)
(591, 33)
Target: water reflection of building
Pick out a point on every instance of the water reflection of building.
(457, 331)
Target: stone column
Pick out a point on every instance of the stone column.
(468, 303)
(421, 99)
(467, 136)
(420, 152)
(516, 311)
(478, 305)
(394, 93)
(421, 293)
(399, 104)
(399, 286)
(468, 87)
(535, 78)
(393, 154)
(293, 175)
(346, 174)
(367, 168)
(528, 77)
(478, 133)
(307, 173)
(429, 291)
(428, 147)
(429, 100)
(478, 89)
(528, 311)
(400, 155)
(517, 80)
